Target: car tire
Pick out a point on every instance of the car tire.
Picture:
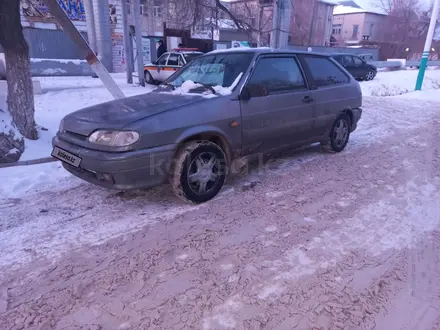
(149, 78)
(194, 160)
(339, 135)
(370, 75)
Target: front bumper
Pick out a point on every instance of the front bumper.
(123, 170)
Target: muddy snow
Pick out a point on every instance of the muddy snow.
(306, 240)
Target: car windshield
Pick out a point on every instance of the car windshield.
(220, 69)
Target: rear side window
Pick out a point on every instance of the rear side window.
(173, 60)
(325, 72)
(278, 74)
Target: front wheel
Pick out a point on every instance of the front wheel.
(339, 135)
(149, 78)
(199, 171)
(370, 75)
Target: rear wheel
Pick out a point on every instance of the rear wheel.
(370, 75)
(149, 78)
(199, 171)
(339, 135)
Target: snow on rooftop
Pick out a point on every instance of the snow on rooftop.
(330, 2)
(343, 10)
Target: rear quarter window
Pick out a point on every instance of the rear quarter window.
(325, 72)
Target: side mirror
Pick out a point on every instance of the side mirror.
(245, 94)
(253, 91)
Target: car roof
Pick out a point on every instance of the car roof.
(344, 54)
(264, 50)
(185, 52)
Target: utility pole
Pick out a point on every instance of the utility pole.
(90, 21)
(260, 20)
(427, 49)
(282, 12)
(275, 25)
(137, 26)
(103, 36)
(127, 54)
(285, 17)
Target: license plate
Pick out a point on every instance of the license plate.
(66, 157)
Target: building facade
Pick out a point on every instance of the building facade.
(352, 25)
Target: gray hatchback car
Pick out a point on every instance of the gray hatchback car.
(222, 106)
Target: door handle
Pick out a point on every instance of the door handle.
(307, 99)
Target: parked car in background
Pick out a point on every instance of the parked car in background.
(169, 63)
(222, 106)
(357, 67)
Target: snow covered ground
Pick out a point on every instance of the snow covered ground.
(307, 241)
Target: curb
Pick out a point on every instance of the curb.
(30, 162)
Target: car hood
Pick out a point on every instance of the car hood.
(119, 113)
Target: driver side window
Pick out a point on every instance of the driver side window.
(277, 74)
(163, 59)
(357, 60)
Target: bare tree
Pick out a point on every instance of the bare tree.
(405, 25)
(245, 15)
(19, 79)
(20, 100)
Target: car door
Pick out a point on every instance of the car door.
(348, 64)
(360, 67)
(330, 89)
(277, 108)
(172, 66)
(161, 63)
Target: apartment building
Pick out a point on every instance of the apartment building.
(310, 24)
(352, 25)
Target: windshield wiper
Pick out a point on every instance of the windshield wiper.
(207, 87)
(169, 85)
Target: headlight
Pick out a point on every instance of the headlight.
(114, 138)
(61, 127)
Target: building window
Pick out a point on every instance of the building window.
(337, 29)
(157, 12)
(144, 10)
(355, 31)
(371, 30)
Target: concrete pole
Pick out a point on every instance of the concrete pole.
(103, 36)
(127, 50)
(137, 26)
(285, 17)
(90, 21)
(275, 25)
(427, 49)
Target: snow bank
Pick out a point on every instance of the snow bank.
(399, 83)
(19, 180)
